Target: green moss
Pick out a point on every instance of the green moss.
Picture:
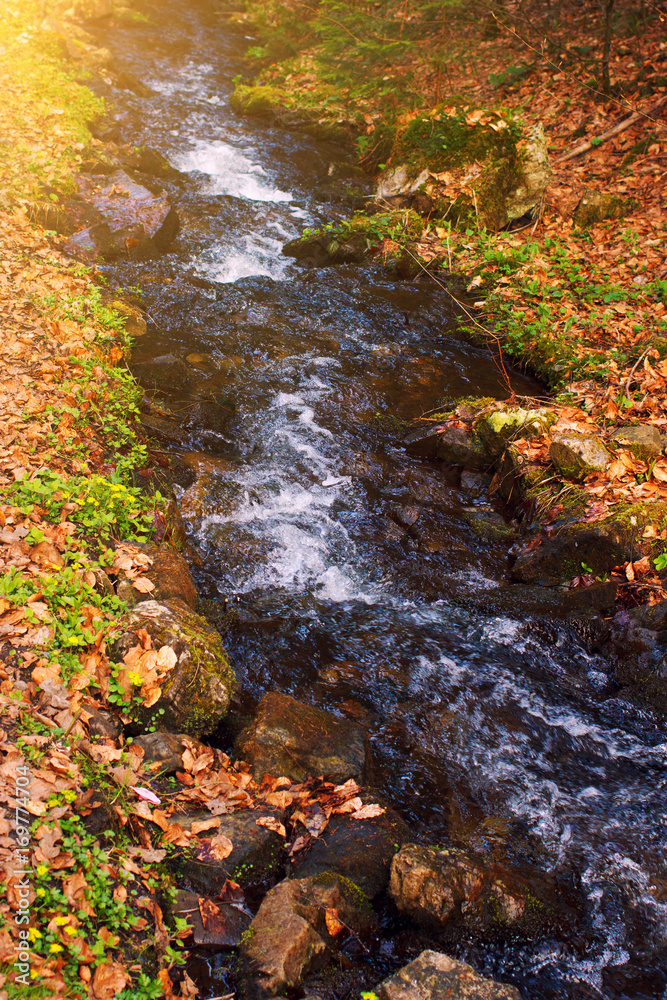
(350, 889)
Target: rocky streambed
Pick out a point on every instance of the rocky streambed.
(510, 812)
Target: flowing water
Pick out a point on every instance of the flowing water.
(357, 580)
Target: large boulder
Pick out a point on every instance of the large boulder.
(434, 976)
(296, 931)
(458, 890)
(298, 741)
(123, 219)
(471, 168)
(172, 669)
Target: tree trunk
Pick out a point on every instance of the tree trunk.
(606, 47)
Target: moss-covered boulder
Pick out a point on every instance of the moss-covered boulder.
(458, 890)
(498, 427)
(596, 206)
(643, 440)
(473, 168)
(172, 668)
(575, 455)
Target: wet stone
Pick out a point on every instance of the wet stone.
(298, 741)
(167, 374)
(434, 976)
(459, 890)
(253, 863)
(289, 937)
(214, 924)
(163, 752)
(361, 850)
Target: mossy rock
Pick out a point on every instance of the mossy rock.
(595, 206)
(195, 692)
(589, 547)
(285, 109)
(358, 240)
(485, 173)
(497, 428)
(256, 100)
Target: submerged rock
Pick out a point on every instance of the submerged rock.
(458, 890)
(194, 692)
(434, 976)
(291, 935)
(299, 741)
(575, 455)
(167, 373)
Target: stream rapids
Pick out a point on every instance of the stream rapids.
(357, 581)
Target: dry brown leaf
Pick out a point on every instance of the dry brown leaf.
(143, 585)
(369, 811)
(334, 925)
(109, 980)
(271, 823)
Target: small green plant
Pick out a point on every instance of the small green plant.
(660, 562)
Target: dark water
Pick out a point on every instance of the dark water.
(358, 581)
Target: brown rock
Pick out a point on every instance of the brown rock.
(289, 936)
(214, 925)
(299, 741)
(451, 888)
(164, 751)
(434, 976)
(169, 573)
(253, 862)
